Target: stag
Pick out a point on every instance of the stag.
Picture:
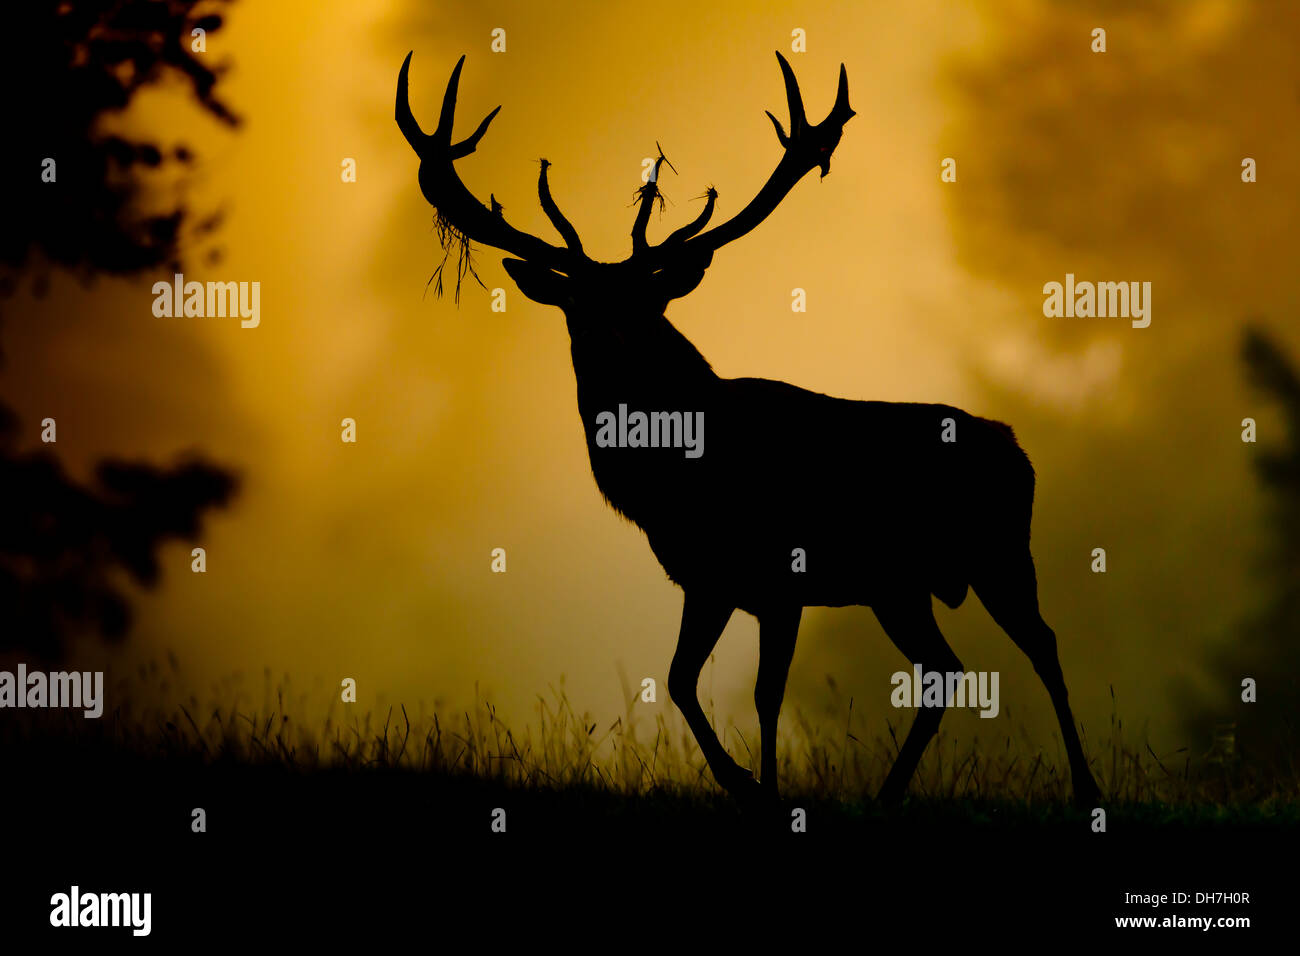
(878, 504)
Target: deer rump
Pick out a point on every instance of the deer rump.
(870, 492)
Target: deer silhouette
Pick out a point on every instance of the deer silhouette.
(877, 508)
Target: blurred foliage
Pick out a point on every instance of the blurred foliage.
(68, 66)
(66, 550)
(1265, 731)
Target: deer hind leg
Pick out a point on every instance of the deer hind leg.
(1009, 591)
(777, 630)
(910, 624)
(703, 620)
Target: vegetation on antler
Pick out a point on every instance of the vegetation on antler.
(452, 238)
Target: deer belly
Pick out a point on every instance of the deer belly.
(756, 566)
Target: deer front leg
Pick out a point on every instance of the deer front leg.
(703, 620)
(777, 631)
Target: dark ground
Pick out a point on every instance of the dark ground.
(386, 855)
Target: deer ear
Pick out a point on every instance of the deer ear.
(671, 284)
(539, 283)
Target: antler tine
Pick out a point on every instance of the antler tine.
(646, 196)
(417, 137)
(467, 145)
(700, 221)
(442, 135)
(841, 111)
(561, 224)
(798, 121)
(780, 130)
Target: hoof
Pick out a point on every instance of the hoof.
(890, 796)
(740, 783)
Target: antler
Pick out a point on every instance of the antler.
(461, 216)
(806, 147)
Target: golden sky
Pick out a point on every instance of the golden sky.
(372, 560)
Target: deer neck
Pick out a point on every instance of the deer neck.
(627, 367)
(648, 359)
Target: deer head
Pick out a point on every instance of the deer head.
(566, 277)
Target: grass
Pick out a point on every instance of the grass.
(637, 765)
